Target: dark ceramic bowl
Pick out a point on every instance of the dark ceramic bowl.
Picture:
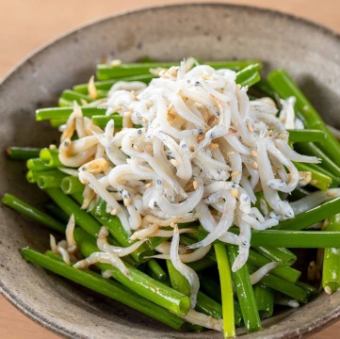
(215, 31)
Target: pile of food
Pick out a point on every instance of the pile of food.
(188, 190)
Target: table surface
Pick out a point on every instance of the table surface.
(29, 24)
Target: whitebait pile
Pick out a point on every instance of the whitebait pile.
(193, 147)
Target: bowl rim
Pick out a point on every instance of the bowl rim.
(6, 291)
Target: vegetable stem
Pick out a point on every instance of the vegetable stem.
(103, 286)
(31, 212)
(310, 217)
(331, 260)
(22, 153)
(137, 281)
(226, 290)
(285, 87)
(245, 293)
(264, 300)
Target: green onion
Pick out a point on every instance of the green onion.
(31, 212)
(37, 164)
(50, 156)
(331, 260)
(22, 153)
(319, 179)
(103, 286)
(245, 294)
(226, 290)
(106, 71)
(279, 254)
(56, 212)
(264, 300)
(202, 264)
(102, 120)
(49, 179)
(62, 103)
(177, 280)
(285, 287)
(296, 239)
(208, 306)
(31, 177)
(285, 87)
(249, 75)
(71, 185)
(106, 85)
(82, 218)
(156, 270)
(138, 281)
(75, 96)
(283, 271)
(64, 112)
(306, 135)
(311, 217)
(326, 162)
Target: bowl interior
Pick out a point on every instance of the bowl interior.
(169, 33)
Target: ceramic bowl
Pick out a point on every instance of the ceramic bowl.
(206, 31)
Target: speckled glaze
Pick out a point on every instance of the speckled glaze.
(215, 31)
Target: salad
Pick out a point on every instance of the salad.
(189, 191)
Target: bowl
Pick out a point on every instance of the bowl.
(208, 31)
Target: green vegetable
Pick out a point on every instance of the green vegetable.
(109, 288)
(331, 260)
(249, 75)
(177, 280)
(107, 84)
(49, 179)
(306, 135)
(50, 156)
(31, 212)
(37, 164)
(319, 179)
(22, 153)
(285, 287)
(204, 303)
(102, 120)
(72, 96)
(106, 71)
(281, 82)
(156, 270)
(264, 300)
(279, 254)
(71, 185)
(296, 239)
(245, 294)
(226, 291)
(202, 264)
(69, 206)
(56, 212)
(326, 162)
(208, 306)
(62, 113)
(311, 217)
(283, 271)
(137, 281)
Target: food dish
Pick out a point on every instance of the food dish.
(190, 164)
